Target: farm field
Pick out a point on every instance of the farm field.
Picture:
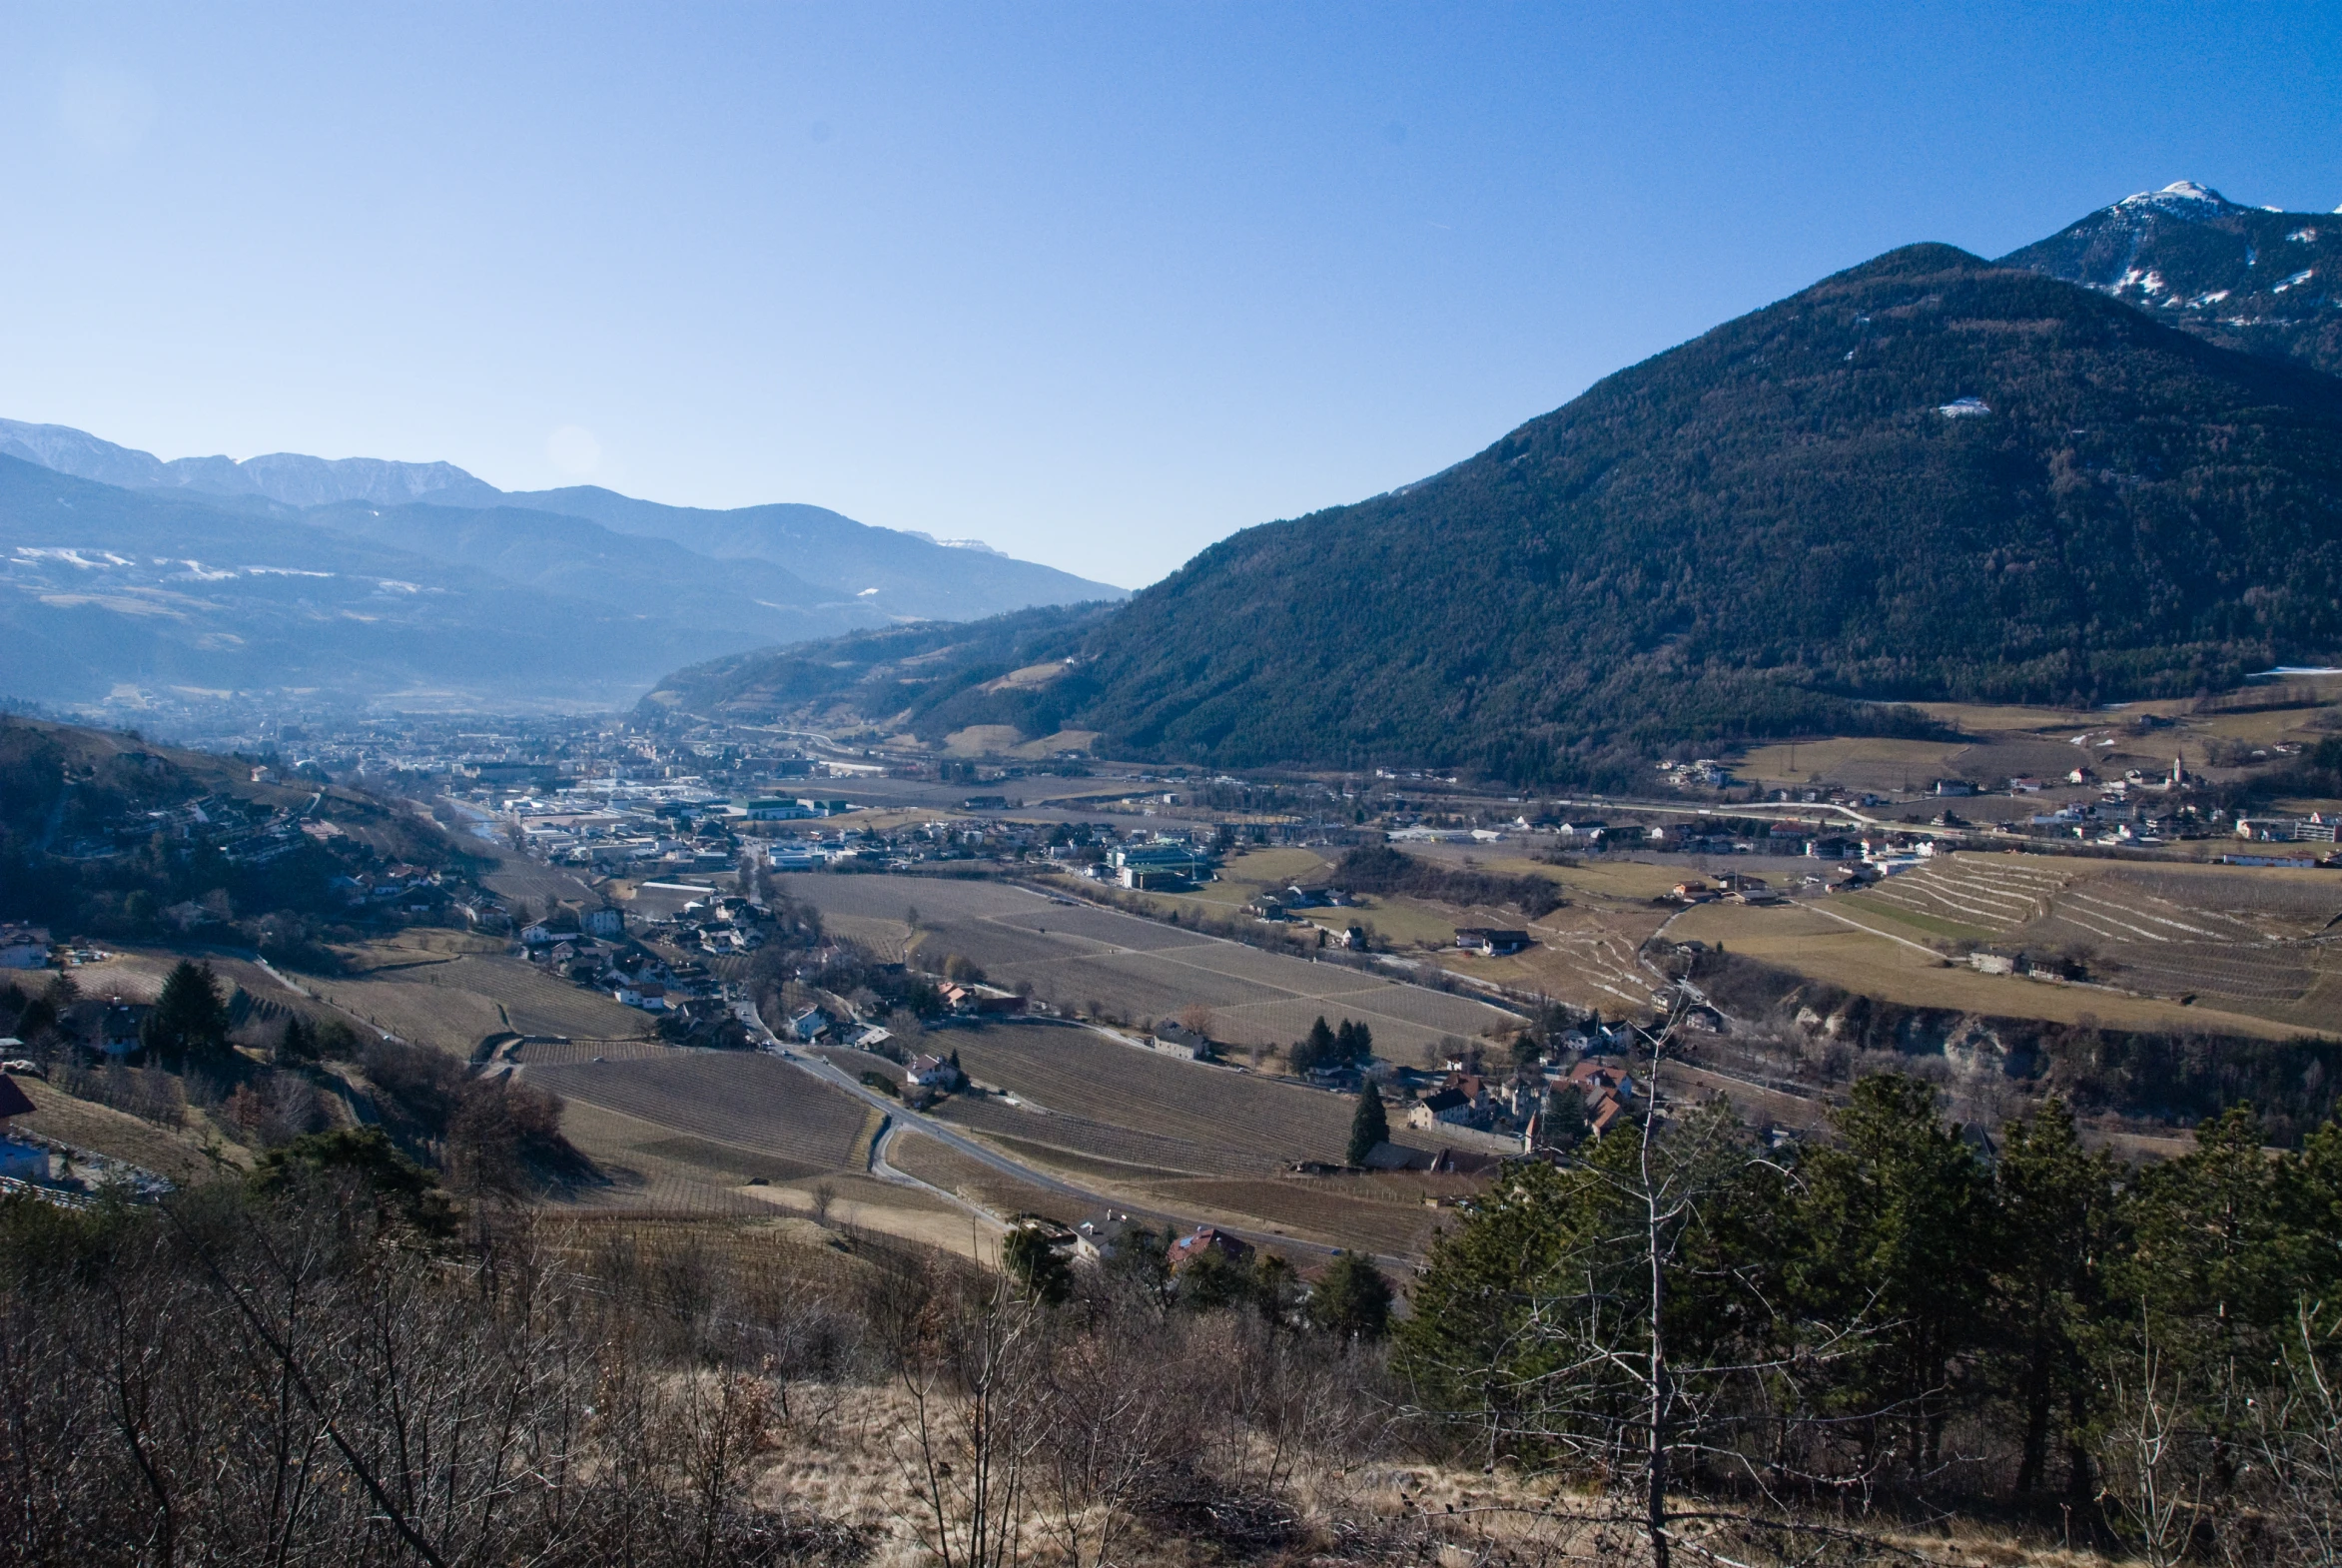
(732, 1112)
(442, 1016)
(1873, 960)
(653, 1173)
(2251, 940)
(1154, 1116)
(173, 1153)
(1336, 1210)
(1076, 954)
(914, 1154)
(450, 994)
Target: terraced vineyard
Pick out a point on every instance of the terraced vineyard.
(763, 1109)
(575, 1051)
(2252, 940)
(1973, 896)
(2167, 933)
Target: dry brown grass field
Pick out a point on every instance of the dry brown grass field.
(1074, 955)
(914, 1154)
(447, 1019)
(454, 991)
(755, 1107)
(1334, 1211)
(176, 1153)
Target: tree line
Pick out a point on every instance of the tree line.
(1907, 1316)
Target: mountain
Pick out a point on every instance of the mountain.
(906, 574)
(287, 477)
(900, 575)
(104, 589)
(1928, 476)
(2247, 277)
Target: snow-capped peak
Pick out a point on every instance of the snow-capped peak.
(2178, 191)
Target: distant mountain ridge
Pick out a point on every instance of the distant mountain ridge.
(905, 576)
(286, 478)
(358, 581)
(2246, 278)
(1928, 476)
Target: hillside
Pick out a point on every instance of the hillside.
(2242, 277)
(1777, 528)
(104, 834)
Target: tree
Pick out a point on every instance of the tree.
(1564, 1122)
(1353, 1300)
(1626, 1315)
(1037, 1266)
(297, 1044)
(1898, 1215)
(189, 1020)
(2057, 1214)
(1316, 1049)
(2218, 1263)
(1368, 1125)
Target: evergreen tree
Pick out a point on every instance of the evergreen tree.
(297, 1044)
(2057, 1218)
(1353, 1300)
(1898, 1226)
(1368, 1126)
(1038, 1267)
(189, 1020)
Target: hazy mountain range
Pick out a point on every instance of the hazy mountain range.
(361, 579)
(1931, 476)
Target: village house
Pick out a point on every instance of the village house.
(1447, 1107)
(1096, 1241)
(806, 1023)
(1207, 1238)
(24, 1162)
(23, 947)
(1178, 1040)
(935, 1072)
(1491, 941)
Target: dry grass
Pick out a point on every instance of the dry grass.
(176, 1153)
(741, 1105)
(1871, 962)
(1078, 953)
(939, 1165)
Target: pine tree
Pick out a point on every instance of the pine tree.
(297, 1044)
(1369, 1126)
(1353, 1300)
(189, 1020)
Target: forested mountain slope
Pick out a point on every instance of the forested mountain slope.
(1926, 478)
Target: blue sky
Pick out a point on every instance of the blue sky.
(1097, 284)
